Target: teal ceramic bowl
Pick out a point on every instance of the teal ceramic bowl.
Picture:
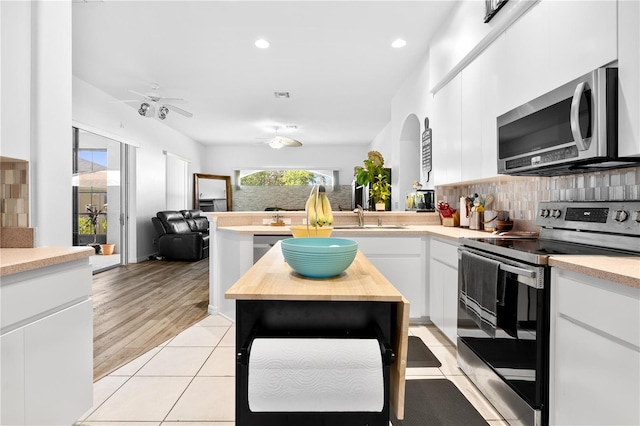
(319, 257)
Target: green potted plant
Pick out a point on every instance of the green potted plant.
(380, 192)
(94, 213)
(376, 177)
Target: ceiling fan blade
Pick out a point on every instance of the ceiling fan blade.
(161, 99)
(179, 110)
(139, 94)
(127, 101)
(282, 141)
(290, 142)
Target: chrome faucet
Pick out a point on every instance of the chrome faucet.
(360, 211)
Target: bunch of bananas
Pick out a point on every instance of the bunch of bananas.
(318, 208)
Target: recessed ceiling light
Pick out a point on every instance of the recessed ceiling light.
(262, 43)
(398, 43)
(281, 94)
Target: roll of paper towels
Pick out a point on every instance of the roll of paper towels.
(464, 213)
(315, 374)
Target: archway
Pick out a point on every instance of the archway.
(409, 159)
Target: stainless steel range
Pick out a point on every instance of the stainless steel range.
(503, 315)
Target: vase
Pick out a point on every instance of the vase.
(380, 207)
(107, 249)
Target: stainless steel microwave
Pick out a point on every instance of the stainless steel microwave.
(571, 129)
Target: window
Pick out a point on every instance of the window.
(279, 177)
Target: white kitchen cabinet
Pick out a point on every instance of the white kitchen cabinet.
(493, 105)
(443, 286)
(629, 82)
(446, 136)
(581, 38)
(556, 42)
(402, 261)
(47, 345)
(58, 367)
(527, 59)
(12, 378)
(232, 256)
(594, 351)
(472, 120)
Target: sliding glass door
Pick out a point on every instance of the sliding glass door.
(99, 204)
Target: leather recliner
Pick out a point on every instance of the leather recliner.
(182, 235)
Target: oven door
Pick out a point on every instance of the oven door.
(513, 342)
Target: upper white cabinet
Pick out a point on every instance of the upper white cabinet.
(552, 43)
(582, 37)
(446, 136)
(629, 78)
(556, 42)
(472, 120)
(482, 89)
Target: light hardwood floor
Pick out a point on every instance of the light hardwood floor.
(140, 306)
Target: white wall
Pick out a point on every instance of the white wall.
(36, 109)
(98, 110)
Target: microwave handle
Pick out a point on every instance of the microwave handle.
(581, 143)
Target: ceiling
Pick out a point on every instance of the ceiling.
(333, 57)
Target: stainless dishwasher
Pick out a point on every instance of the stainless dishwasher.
(263, 243)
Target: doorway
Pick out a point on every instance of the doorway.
(99, 204)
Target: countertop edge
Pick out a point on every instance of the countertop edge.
(453, 234)
(570, 263)
(16, 260)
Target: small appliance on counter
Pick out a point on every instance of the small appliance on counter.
(421, 200)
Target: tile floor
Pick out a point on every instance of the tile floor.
(189, 381)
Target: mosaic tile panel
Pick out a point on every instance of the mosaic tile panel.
(520, 195)
(14, 190)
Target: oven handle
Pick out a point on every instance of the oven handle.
(532, 276)
(518, 271)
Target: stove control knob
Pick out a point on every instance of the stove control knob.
(544, 213)
(556, 213)
(620, 215)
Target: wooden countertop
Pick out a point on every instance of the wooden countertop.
(14, 260)
(271, 278)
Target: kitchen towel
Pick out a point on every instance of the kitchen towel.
(315, 375)
(478, 284)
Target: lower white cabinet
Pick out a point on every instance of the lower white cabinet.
(46, 371)
(594, 351)
(401, 261)
(12, 378)
(58, 366)
(443, 286)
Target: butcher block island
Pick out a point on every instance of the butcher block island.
(318, 351)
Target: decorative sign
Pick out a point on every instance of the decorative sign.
(426, 149)
(492, 7)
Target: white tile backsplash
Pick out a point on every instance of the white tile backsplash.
(520, 195)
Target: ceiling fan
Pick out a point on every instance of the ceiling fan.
(279, 141)
(153, 104)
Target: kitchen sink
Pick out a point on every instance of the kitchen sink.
(369, 227)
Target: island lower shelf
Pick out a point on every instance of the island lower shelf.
(272, 299)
